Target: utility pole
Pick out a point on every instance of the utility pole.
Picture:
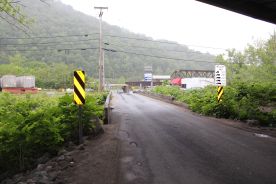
(101, 59)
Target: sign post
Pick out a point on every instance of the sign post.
(79, 97)
(220, 80)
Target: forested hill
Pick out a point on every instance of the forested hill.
(62, 36)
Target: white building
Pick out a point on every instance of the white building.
(160, 78)
(189, 83)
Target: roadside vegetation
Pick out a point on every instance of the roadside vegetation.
(251, 90)
(241, 101)
(34, 125)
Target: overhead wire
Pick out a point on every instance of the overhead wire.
(64, 49)
(160, 57)
(111, 50)
(167, 42)
(115, 36)
(154, 48)
(45, 37)
(44, 43)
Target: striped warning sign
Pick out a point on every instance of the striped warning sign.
(79, 87)
(220, 93)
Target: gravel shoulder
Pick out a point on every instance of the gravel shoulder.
(98, 162)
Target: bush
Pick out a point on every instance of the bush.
(32, 125)
(240, 101)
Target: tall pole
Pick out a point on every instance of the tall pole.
(101, 59)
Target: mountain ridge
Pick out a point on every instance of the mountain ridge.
(134, 51)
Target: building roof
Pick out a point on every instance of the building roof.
(161, 77)
(259, 9)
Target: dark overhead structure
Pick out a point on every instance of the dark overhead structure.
(259, 9)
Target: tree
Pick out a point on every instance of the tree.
(257, 63)
(11, 12)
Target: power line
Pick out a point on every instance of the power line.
(161, 57)
(115, 36)
(46, 37)
(110, 50)
(167, 42)
(42, 43)
(169, 50)
(59, 50)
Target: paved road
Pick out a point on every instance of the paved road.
(165, 144)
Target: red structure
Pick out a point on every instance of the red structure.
(20, 90)
(176, 81)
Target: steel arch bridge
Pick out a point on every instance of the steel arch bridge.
(193, 73)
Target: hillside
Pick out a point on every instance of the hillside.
(57, 38)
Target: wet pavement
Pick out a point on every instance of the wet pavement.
(165, 144)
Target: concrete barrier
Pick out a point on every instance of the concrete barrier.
(164, 98)
(107, 109)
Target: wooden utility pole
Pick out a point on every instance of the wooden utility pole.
(101, 59)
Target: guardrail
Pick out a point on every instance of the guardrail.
(107, 109)
(164, 98)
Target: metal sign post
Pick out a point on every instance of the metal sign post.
(79, 97)
(220, 80)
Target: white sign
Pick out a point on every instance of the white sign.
(148, 76)
(220, 75)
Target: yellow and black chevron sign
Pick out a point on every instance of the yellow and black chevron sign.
(220, 93)
(79, 87)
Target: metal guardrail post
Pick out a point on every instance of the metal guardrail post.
(107, 109)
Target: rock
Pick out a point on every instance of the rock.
(71, 164)
(41, 177)
(59, 182)
(43, 173)
(49, 168)
(63, 165)
(81, 147)
(69, 158)
(43, 159)
(61, 152)
(61, 158)
(53, 175)
(18, 177)
(252, 122)
(54, 164)
(68, 154)
(30, 181)
(40, 167)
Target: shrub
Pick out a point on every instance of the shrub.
(240, 101)
(31, 125)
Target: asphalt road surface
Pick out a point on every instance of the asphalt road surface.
(165, 144)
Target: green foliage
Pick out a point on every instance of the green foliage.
(251, 90)
(256, 64)
(13, 9)
(166, 83)
(56, 75)
(241, 101)
(31, 125)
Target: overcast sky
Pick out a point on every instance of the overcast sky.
(186, 21)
